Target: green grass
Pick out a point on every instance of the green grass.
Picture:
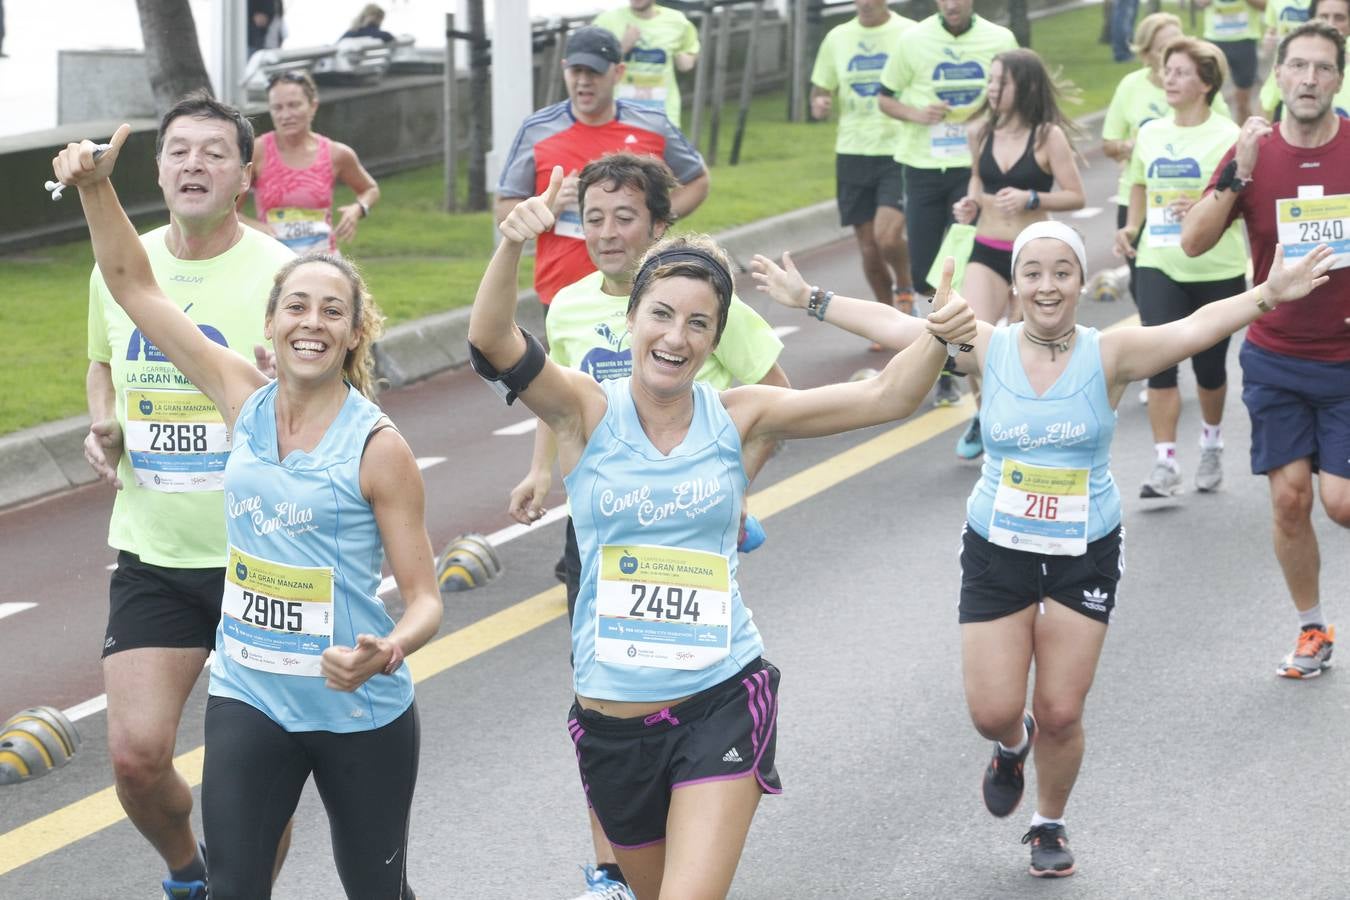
(420, 260)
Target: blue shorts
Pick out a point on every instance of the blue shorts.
(1299, 408)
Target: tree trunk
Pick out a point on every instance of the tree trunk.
(1018, 22)
(173, 59)
(480, 108)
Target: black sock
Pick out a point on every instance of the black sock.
(193, 871)
(612, 872)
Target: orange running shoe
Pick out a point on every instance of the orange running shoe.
(1311, 655)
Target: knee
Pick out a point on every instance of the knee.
(1058, 719)
(1338, 508)
(139, 762)
(1292, 504)
(993, 723)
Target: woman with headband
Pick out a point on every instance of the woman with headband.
(1042, 545)
(675, 718)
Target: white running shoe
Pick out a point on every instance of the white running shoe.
(600, 886)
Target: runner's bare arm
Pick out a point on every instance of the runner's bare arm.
(688, 196)
(103, 443)
(224, 376)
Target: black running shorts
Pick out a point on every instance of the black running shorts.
(152, 606)
(998, 581)
(629, 767)
(864, 184)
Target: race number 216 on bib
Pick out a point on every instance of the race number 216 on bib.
(665, 607)
(275, 617)
(1041, 509)
(176, 441)
(1305, 222)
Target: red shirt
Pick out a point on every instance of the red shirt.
(552, 137)
(1314, 327)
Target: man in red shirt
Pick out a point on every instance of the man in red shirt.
(1290, 183)
(582, 128)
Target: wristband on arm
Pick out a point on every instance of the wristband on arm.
(511, 383)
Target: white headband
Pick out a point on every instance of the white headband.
(1052, 229)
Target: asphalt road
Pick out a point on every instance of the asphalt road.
(1205, 775)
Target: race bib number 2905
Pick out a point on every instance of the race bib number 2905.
(276, 617)
(665, 607)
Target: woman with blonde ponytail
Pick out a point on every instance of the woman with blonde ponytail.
(308, 676)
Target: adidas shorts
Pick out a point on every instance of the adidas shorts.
(629, 767)
(998, 581)
(152, 606)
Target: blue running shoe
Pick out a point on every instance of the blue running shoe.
(971, 443)
(752, 535)
(600, 886)
(185, 890)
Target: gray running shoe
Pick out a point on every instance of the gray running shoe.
(1209, 474)
(1164, 481)
(946, 393)
(1311, 655)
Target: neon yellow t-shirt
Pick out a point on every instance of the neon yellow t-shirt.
(937, 66)
(1232, 20)
(849, 63)
(1173, 162)
(1135, 102)
(1285, 15)
(649, 68)
(170, 511)
(588, 330)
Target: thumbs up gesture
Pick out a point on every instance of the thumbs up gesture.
(86, 163)
(533, 216)
(951, 319)
(347, 668)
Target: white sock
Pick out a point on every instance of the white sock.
(1312, 617)
(1211, 436)
(1022, 745)
(1167, 452)
(1038, 819)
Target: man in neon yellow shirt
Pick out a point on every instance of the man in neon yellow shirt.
(625, 209)
(933, 88)
(1335, 13)
(656, 42)
(870, 184)
(1235, 26)
(163, 445)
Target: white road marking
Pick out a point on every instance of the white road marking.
(426, 462)
(9, 609)
(784, 330)
(519, 428)
(1086, 212)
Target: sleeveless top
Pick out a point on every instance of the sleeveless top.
(1067, 429)
(659, 614)
(302, 573)
(1025, 174)
(297, 203)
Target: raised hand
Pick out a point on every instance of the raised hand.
(77, 166)
(952, 319)
(347, 668)
(1293, 281)
(533, 216)
(784, 284)
(1254, 130)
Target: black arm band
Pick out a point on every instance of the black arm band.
(511, 383)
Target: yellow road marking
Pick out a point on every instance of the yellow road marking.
(92, 814)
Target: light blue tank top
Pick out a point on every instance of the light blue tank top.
(670, 524)
(302, 574)
(1070, 426)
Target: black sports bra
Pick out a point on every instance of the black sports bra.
(1025, 174)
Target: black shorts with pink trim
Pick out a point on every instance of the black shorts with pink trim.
(630, 767)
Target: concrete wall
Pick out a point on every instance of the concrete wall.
(91, 82)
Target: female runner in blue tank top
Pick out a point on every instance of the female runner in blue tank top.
(675, 714)
(1041, 553)
(308, 675)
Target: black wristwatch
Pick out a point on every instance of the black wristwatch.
(1228, 180)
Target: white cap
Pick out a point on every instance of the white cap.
(1052, 229)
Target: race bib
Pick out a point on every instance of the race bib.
(664, 607)
(1164, 227)
(947, 140)
(1305, 222)
(1041, 509)
(176, 441)
(653, 95)
(303, 230)
(1232, 24)
(276, 618)
(568, 223)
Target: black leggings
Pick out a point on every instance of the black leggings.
(929, 197)
(1162, 300)
(252, 777)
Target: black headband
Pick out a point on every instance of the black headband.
(721, 278)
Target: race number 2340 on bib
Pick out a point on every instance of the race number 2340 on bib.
(665, 607)
(276, 617)
(1305, 222)
(176, 441)
(1041, 509)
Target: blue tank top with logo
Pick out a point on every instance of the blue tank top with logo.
(659, 614)
(1045, 485)
(302, 574)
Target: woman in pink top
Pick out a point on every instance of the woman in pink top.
(294, 170)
